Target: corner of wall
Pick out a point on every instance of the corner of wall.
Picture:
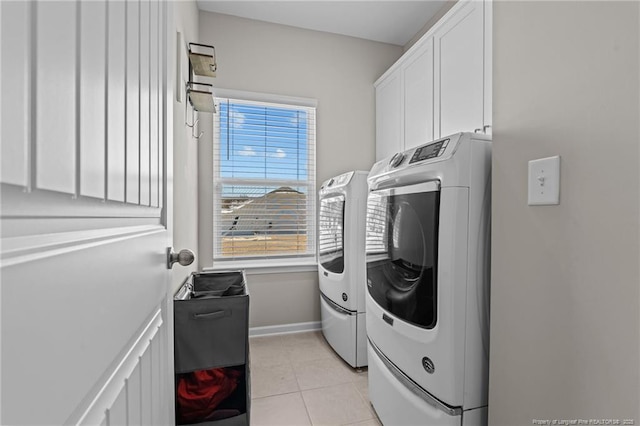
(430, 23)
(185, 152)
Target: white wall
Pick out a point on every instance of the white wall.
(185, 150)
(336, 70)
(565, 299)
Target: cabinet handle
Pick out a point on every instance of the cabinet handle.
(483, 129)
(212, 315)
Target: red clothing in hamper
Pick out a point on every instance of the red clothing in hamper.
(200, 392)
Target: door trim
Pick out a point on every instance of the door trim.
(19, 250)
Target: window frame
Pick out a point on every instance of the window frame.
(306, 261)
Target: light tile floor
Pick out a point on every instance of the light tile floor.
(297, 380)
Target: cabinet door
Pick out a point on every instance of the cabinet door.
(389, 116)
(417, 74)
(488, 68)
(459, 53)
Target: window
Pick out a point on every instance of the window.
(264, 180)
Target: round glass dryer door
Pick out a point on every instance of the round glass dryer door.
(402, 251)
(331, 234)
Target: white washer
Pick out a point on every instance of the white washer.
(427, 250)
(341, 265)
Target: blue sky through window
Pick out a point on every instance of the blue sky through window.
(263, 142)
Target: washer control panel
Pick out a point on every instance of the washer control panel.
(432, 150)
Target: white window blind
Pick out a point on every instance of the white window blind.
(264, 180)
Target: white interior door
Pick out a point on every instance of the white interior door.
(85, 215)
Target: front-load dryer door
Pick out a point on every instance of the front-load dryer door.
(331, 233)
(334, 277)
(416, 281)
(402, 252)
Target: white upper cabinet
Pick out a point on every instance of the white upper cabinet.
(459, 47)
(441, 85)
(417, 79)
(389, 116)
(404, 103)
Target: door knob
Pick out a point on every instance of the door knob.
(185, 257)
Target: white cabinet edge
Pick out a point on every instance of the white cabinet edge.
(422, 40)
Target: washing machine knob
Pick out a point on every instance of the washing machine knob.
(396, 160)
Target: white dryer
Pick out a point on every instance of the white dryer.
(428, 217)
(341, 265)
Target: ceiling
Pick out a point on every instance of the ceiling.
(394, 22)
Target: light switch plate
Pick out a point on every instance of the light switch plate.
(544, 181)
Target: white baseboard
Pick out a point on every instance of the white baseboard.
(285, 328)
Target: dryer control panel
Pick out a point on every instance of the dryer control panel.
(432, 150)
(439, 159)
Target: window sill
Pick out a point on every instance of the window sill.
(267, 267)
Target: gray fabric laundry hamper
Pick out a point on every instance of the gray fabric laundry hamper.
(211, 350)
